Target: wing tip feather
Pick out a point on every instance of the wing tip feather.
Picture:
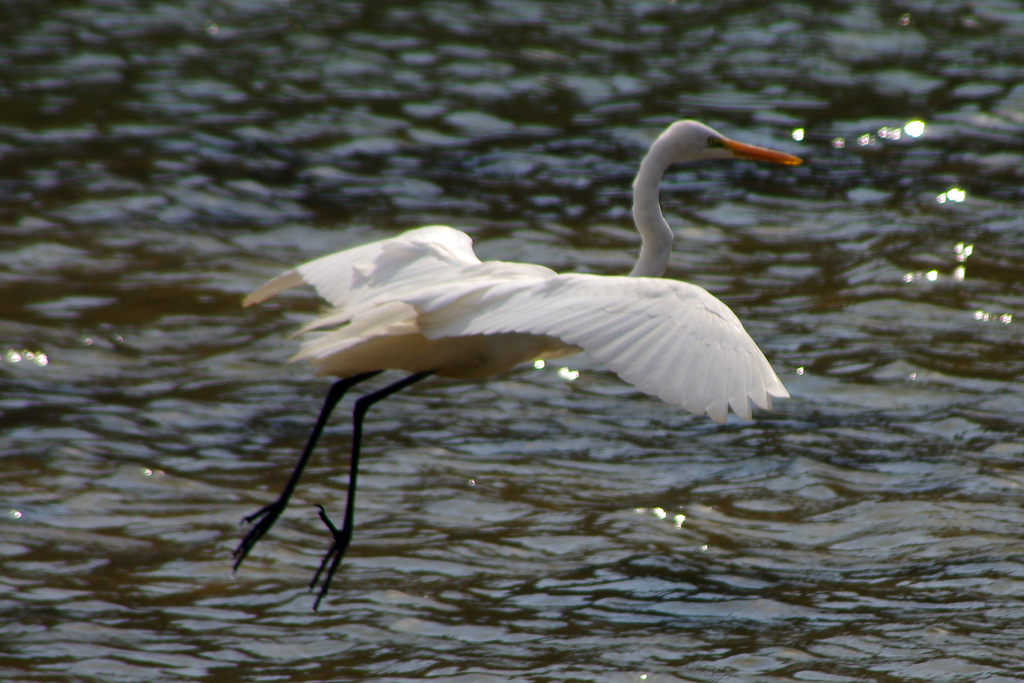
(744, 411)
(282, 282)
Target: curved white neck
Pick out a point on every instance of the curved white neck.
(650, 223)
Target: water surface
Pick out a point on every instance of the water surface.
(159, 161)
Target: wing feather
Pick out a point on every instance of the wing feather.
(657, 361)
(738, 381)
(749, 379)
(755, 385)
(669, 338)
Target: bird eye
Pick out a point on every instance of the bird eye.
(715, 142)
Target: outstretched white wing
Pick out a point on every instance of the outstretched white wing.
(668, 338)
(357, 276)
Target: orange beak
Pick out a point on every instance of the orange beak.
(744, 151)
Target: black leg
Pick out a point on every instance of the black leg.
(342, 538)
(268, 514)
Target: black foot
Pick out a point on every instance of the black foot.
(265, 518)
(333, 557)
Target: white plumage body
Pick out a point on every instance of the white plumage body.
(423, 301)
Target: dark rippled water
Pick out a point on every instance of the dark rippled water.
(159, 160)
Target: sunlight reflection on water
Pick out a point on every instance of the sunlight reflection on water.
(552, 524)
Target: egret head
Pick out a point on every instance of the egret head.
(691, 140)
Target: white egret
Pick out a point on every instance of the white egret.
(424, 303)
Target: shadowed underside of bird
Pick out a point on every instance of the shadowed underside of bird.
(422, 302)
